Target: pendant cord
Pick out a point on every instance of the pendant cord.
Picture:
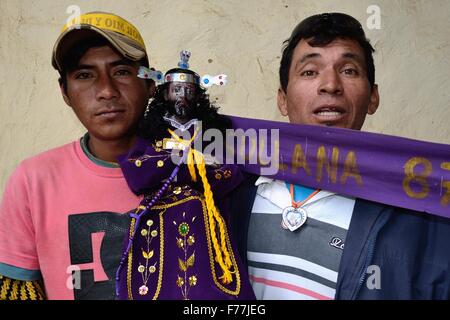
(298, 204)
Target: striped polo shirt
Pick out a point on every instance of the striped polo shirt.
(300, 264)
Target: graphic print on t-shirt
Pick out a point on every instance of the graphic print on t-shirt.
(96, 241)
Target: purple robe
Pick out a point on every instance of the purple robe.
(172, 254)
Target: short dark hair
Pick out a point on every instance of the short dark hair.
(323, 29)
(71, 60)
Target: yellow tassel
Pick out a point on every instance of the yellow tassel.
(226, 277)
(191, 165)
(190, 156)
(213, 213)
(196, 158)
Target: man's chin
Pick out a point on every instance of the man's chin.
(324, 123)
(337, 122)
(335, 125)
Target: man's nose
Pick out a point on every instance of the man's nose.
(330, 83)
(106, 88)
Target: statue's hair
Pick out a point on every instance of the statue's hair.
(153, 126)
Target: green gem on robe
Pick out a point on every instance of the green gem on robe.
(183, 229)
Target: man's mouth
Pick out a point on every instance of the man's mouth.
(110, 113)
(329, 113)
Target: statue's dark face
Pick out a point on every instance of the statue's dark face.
(182, 99)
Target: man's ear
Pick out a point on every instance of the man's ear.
(282, 102)
(64, 94)
(374, 100)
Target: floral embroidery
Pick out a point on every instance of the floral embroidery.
(184, 242)
(222, 173)
(146, 269)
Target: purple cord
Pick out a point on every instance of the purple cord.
(138, 218)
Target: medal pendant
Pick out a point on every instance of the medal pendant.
(293, 218)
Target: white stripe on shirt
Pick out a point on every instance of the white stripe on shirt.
(293, 262)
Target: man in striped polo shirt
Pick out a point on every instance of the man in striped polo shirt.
(303, 243)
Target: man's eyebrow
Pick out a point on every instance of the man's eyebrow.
(123, 62)
(353, 56)
(309, 56)
(83, 66)
(119, 62)
(347, 55)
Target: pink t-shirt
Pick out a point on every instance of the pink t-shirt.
(63, 215)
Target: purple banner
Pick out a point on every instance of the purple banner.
(396, 171)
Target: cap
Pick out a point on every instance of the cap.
(120, 33)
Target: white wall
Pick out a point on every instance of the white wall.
(241, 38)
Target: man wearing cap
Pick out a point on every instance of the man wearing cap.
(61, 217)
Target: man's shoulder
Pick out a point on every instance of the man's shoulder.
(36, 172)
(51, 155)
(52, 159)
(401, 216)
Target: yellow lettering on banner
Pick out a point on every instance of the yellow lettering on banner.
(299, 160)
(420, 178)
(351, 169)
(322, 160)
(281, 166)
(445, 200)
